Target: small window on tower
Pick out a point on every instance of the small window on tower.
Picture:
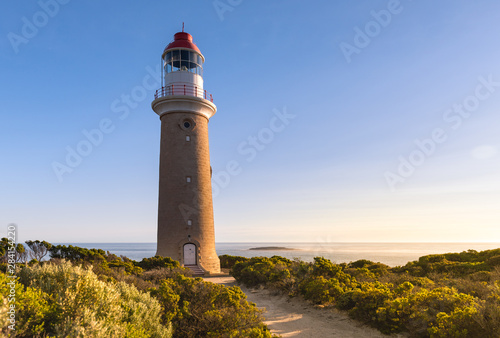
(188, 138)
(187, 124)
(188, 179)
(190, 222)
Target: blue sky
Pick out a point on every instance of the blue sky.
(389, 118)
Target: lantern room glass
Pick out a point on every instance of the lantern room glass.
(183, 60)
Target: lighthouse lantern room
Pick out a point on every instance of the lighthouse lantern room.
(183, 67)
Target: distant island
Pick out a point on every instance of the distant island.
(271, 248)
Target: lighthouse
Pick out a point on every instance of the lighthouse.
(185, 207)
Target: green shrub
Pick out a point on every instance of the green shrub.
(366, 271)
(493, 261)
(156, 276)
(360, 263)
(471, 286)
(325, 268)
(203, 309)
(362, 274)
(260, 270)
(275, 272)
(424, 306)
(75, 303)
(320, 290)
(102, 261)
(379, 269)
(158, 262)
(4, 313)
(228, 261)
(455, 264)
(76, 254)
(366, 300)
(128, 266)
(431, 259)
(487, 318)
(31, 306)
(459, 323)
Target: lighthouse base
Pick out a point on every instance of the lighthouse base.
(191, 254)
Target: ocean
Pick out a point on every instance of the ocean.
(392, 254)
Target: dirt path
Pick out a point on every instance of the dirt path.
(296, 318)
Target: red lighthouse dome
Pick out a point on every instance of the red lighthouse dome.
(182, 40)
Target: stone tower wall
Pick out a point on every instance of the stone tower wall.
(181, 201)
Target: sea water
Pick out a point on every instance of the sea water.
(392, 254)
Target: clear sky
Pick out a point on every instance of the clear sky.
(348, 121)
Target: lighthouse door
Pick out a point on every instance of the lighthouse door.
(189, 254)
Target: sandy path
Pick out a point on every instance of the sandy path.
(296, 318)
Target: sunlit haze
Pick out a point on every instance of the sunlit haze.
(366, 121)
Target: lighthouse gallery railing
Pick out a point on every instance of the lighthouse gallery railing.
(188, 90)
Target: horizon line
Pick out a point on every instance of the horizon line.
(340, 242)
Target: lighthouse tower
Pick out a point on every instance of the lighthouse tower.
(185, 209)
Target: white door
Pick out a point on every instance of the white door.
(189, 254)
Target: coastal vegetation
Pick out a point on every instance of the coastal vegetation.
(82, 292)
(446, 295)
(77, 292)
